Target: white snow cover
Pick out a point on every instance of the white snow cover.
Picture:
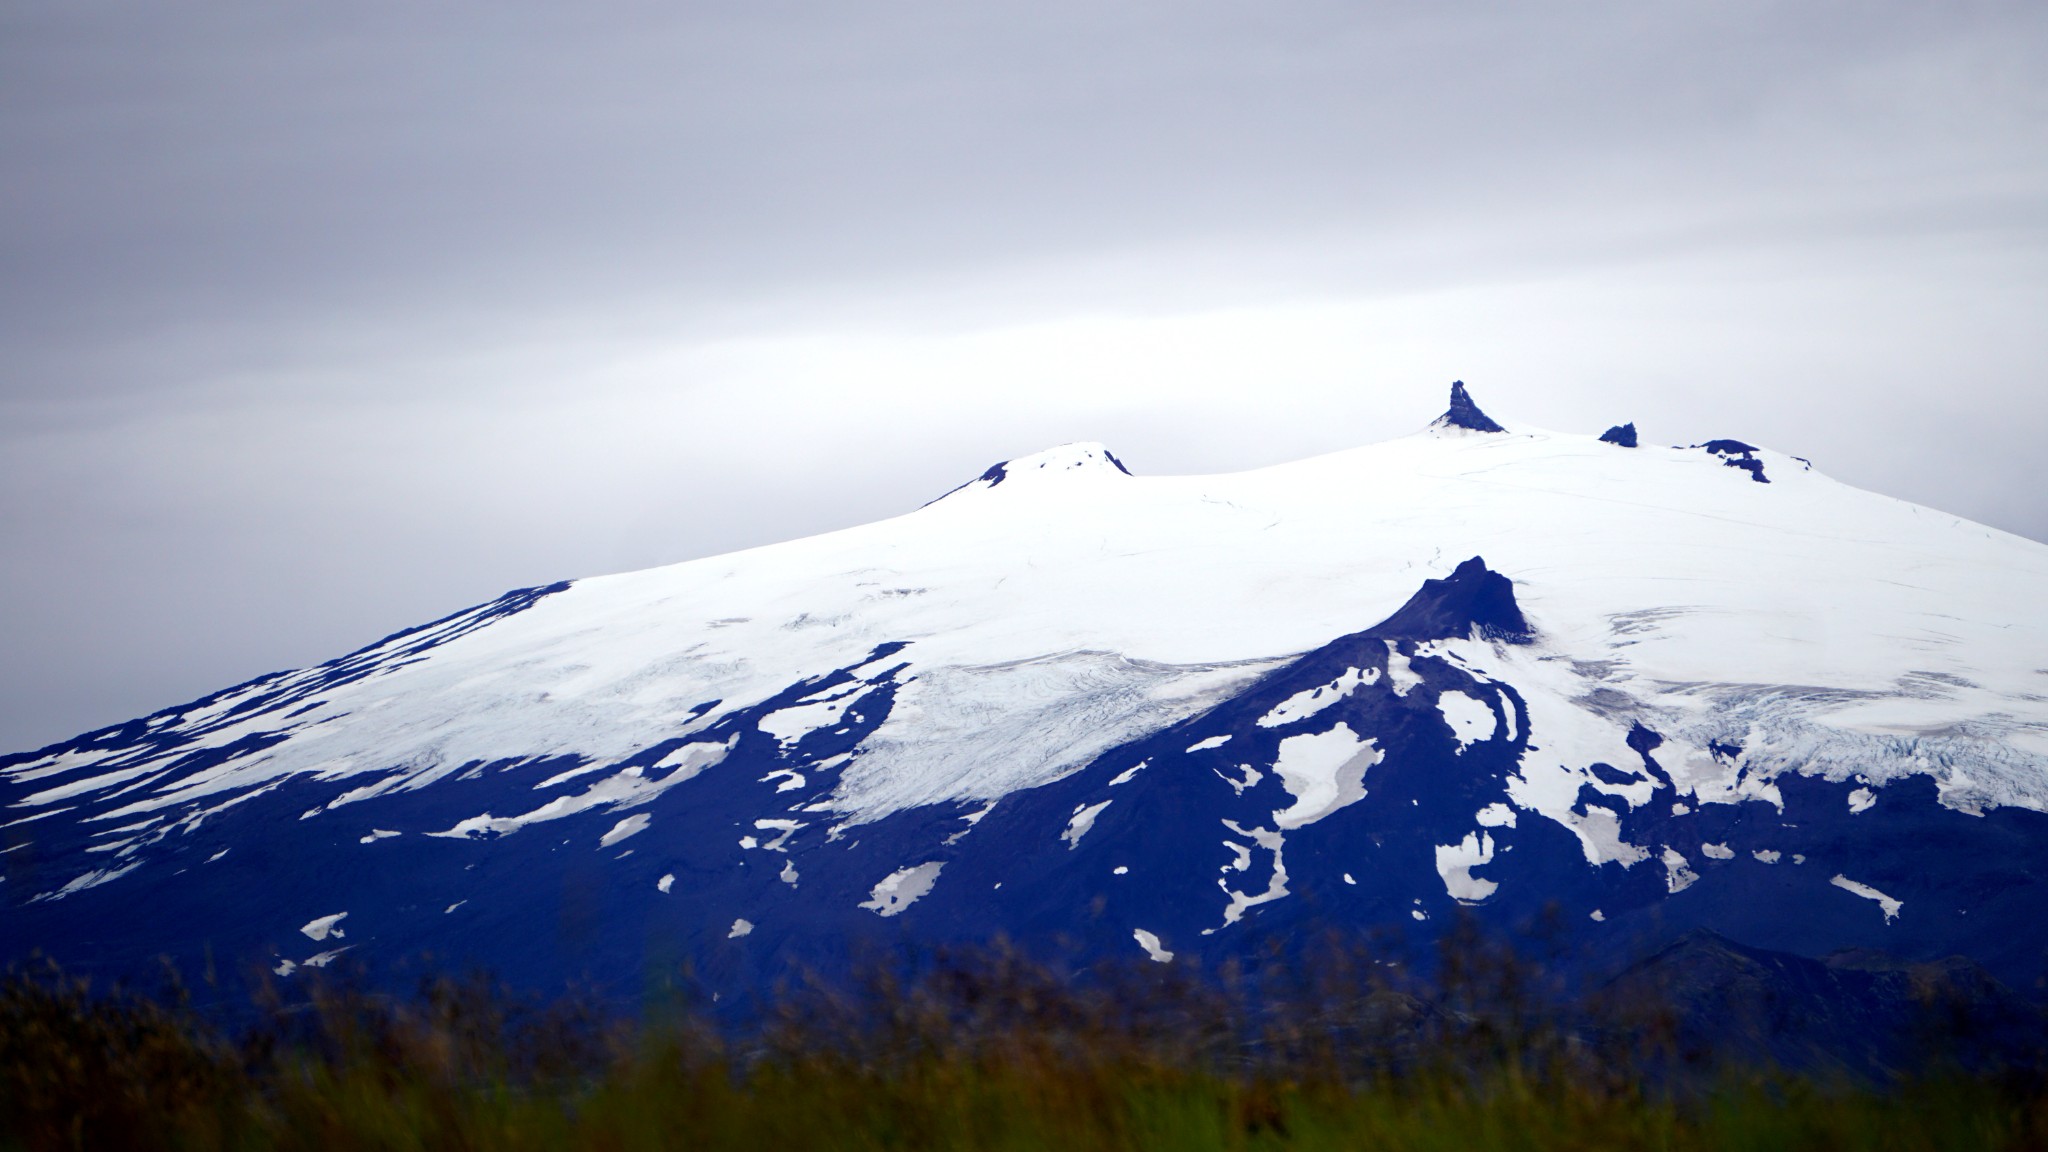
(1455, 862)
(1890, 906)
(1323, 771)
(1149, 941)
(324, 926)
(1084, 819)
(902, 888)
(1310, 701)
(631, 825)
(1071, 607)
(1471, 721)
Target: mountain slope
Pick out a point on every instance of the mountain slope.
(1699, 686)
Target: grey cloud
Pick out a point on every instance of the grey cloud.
(316, 321)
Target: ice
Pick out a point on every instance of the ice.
(667, 881)
(740, 927)
(1060, 711)
(1204, 745)
(1060, 607)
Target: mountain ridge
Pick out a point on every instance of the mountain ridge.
(1668, 697)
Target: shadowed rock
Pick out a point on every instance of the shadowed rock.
(1622, 434)
(1463, 413)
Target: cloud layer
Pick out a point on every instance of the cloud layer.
(316, 323)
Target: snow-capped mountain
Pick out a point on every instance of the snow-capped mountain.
(1478, 667)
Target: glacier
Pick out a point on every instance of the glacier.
(1165, 714)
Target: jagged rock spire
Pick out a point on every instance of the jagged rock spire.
(1463, 413)
(1622, 434)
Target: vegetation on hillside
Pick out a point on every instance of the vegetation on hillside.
(980, 1049)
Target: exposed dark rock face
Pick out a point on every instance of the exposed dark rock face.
(1463, 413)
(1622, 434)
(1736, 454)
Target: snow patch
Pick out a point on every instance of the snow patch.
(1150, 943)
(1251, 777)
(1400, 677)
(91, 879)
(1084, 819)
(1678, 873)
(790, 725)
(322, 927)
(1310, 701)
(902, 888)
(631, 826)
(1472, 720)
(1891, 906)
(1276, 888)
(1323, 771)
(1495, 815)
(1454, 863)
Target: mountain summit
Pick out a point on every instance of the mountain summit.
(1165, 717)
(1465, 414)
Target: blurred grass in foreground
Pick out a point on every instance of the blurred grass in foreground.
(980, 1049)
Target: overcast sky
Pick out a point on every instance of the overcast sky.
(317, 321)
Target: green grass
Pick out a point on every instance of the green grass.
(984, 1052)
